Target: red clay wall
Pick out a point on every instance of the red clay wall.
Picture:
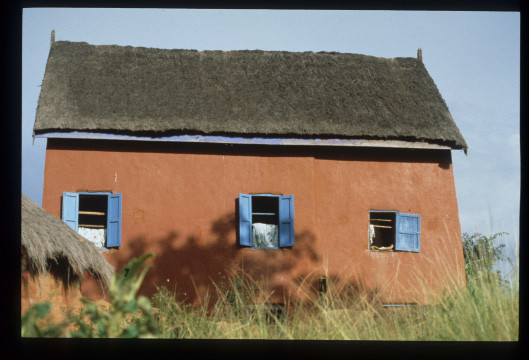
(179, 200)
(45, 287)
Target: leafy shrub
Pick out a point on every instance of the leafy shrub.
(31, 322)
(122, 320)
(481, 254)
(128, 316)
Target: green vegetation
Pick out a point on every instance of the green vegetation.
(122, 320)
(486, 310)
(32, 325)
(481, 254)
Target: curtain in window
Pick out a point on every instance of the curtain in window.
(265, 235)
(97, 236)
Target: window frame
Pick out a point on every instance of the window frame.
(397, 230)
(118, 219)
(252, 196)
(243, 218)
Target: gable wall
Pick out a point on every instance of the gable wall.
(179, 200)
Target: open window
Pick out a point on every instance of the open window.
(266, 221)
(95, 216)
(394, 231)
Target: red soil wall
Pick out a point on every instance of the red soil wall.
(179, 200)
(45, 287)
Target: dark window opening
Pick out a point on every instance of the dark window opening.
(265, 209)
(93, 211)
(382, 231)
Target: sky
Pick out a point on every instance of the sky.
(473, 57)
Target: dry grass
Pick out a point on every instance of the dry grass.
(484, 312)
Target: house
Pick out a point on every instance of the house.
(294, 167)
(55, 260)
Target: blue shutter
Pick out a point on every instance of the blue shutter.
(70, 209)
(408, 234)
(286, 221)
(114, 220)
(245, 220)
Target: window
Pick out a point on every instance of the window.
(266, 221)
(96, 216)
(394, 231)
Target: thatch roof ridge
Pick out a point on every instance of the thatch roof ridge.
(142, 48)
(127, 89)
(47, 238)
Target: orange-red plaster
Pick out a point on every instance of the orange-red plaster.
(179, 200)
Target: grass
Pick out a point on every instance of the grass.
(486, 309)
(484, 312)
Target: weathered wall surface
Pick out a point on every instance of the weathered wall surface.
(45, 287)
(351, 183)
(179, 200)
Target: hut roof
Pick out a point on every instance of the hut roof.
(161, 92)
(46, 238)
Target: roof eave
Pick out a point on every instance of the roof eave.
(251, 140)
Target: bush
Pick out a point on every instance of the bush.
(128, 316)
(32, 322)
(481, 254)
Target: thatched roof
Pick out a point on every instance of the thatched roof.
(46, 239)
(136, 90)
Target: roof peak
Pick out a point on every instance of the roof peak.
(338, 53)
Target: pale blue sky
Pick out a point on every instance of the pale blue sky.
(473, 57)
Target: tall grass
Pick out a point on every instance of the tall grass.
(486, 311)
(486, 308)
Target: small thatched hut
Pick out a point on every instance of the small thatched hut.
(55, 259)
